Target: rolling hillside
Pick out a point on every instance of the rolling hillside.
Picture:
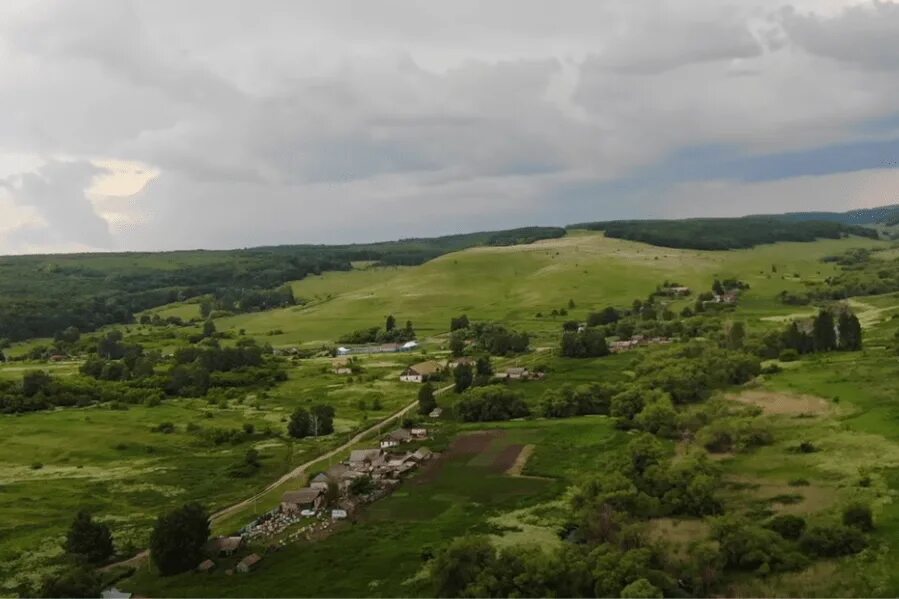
(513, 284)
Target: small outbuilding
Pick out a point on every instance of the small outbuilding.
(319, 481)
(249, 563)
(206, 566)
(223, 546)
(304, 499)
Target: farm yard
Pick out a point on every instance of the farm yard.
(828, 422)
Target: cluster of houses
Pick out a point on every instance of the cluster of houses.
(675, 291)
(728, 297)
(424, 371)
(384, 348)
(385, 468)
(635, 342)
(384, 465)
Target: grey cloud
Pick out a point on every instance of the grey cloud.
(273, 123)
(866, 35)
(56, 191)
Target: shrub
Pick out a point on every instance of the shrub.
(832, 541)
(787, 525)
(858, 516)
(788, 355)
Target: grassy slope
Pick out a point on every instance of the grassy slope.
(513, 283)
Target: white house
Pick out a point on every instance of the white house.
(395, 438)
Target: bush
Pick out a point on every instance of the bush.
(787, 525)
(832, 541)
(858, 516)
(788, 355)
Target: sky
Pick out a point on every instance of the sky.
(162, 124)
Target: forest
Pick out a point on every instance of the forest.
(724, 233)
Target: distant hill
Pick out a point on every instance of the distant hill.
(40, 295)
(726, 233)
(881, 215)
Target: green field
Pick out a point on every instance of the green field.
(111, 462)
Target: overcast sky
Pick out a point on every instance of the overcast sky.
(216, 124)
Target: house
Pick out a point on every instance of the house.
(409, 346)
(365, 458)
(676, 291)
(395, 438)
(319, 481)
(249, 563)
(223, 546)
(436, 412)
(206, 566)
(341, 475)
(419, 373)
(517, 373)
(304, 499)
(418, 432)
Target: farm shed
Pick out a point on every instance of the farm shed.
(304, 499)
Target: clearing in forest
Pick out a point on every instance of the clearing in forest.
(788, 404)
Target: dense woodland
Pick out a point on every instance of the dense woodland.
(724, 233)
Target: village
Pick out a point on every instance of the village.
(330, 497)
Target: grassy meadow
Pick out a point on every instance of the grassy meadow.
(512, 284)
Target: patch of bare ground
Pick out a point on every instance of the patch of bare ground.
(467, 444)
(786, 404)
(521, 461)
(788, 499)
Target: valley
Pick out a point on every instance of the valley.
(127, 462)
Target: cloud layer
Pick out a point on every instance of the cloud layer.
(283, 121)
